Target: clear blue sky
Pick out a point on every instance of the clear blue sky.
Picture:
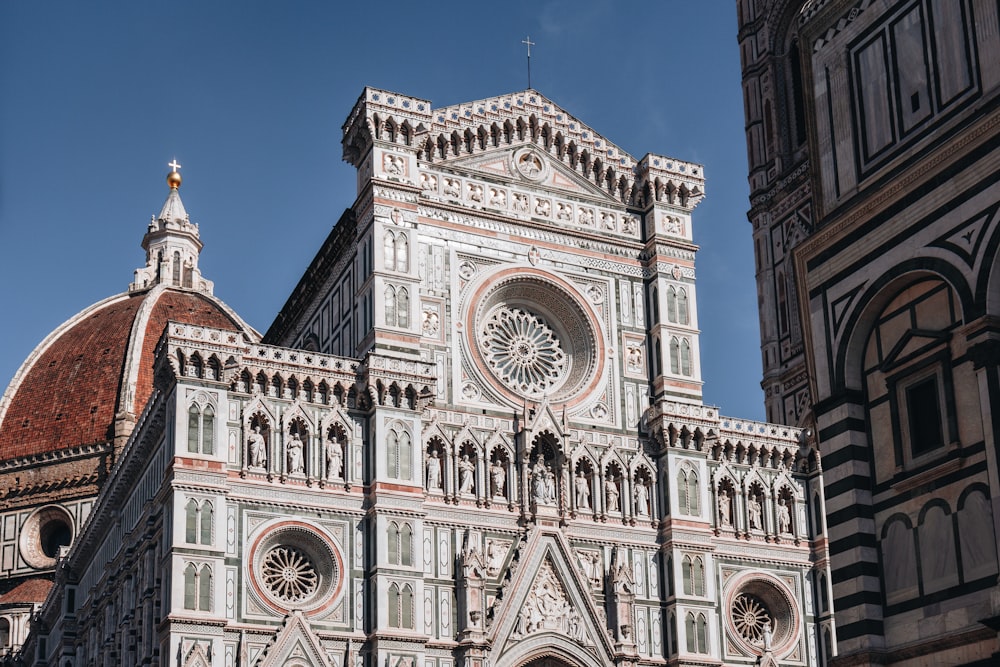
(96, 98)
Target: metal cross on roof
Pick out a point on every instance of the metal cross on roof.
(529, 43)
(174, 165)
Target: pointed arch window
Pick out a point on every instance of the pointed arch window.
(176, 277)
(672, 304)
(198, 520)
(403, 307)
(685, 358)
(694, 575)
(682, 306)
(402, 253)
(390, 306)
(675, 355)
(400, 542)
(197, 587)
(201, 429)
(398, 453)
(389, 251)
(400, 602)
(687, 492)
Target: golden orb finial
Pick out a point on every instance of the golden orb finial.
(174, 177)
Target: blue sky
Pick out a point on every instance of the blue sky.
(96, 98)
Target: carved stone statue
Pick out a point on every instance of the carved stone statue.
(784, 517)
(611, 495)
(755, 512)
(641, 499)
(499, 477)
(550, 484)
(433, 471)
(294, 453)
(257, 448)
(466, 472)
(334, 459)
(538, 485)
(725, 508)
(582, 491)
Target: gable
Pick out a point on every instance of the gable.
(548, 606)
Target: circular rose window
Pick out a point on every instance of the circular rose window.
(531, 336)
(762, 614)
(295, 565)
(289, 574)
(522, 350)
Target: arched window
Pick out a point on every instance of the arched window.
(207, 516)
(824, 597)
(402, 252)
(403, 307)
(406, 607)
(702, 634)
(682, 306)
(675, 356)
(201, 429)
(393, 604)
(191, 521)
(672, 633)
(205, 588)
(687, 492)
(400, 606)
(399, 454)
(938, 567)
(672, 304)
(690, 633)
(198, 519)
(393, 543)
(693, 575)
(4, 633)
(389, 251)
(685, 357)
(176, 277)
(390, 306)
(406, 545)
(190, 587)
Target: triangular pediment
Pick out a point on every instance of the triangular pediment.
(295, 644)
(548, 603)
(526, 166)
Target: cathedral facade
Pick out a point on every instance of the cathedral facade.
(473, 436)
(872, 130)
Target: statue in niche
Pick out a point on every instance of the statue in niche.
(550, 484)
(334, 459)
(428, 182)
(476, 193)
(433, 471)
(257, 447)
(784, 517)
(564, 212)
(451, 187)
(294, 453)
(608, 220)
(585, 216)
(725, 508)
(753, 504)
(641, 499)
(499, 477)
(582, 491)
(466, 470)
(611, 495)
(543, 207)
(539, 485)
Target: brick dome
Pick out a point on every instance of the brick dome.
(95, 366)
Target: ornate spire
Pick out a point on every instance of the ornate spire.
(172, 245)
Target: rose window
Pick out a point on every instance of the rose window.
(523, 351)
(289, 574)
(750, 616)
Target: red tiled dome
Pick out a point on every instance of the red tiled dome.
(96, 365)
